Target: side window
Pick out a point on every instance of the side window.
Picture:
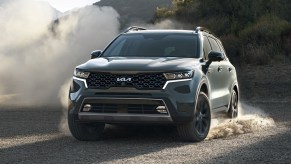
(206, 47)
(214, 45)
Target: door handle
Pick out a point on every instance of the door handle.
(219, 69)
(209, 70)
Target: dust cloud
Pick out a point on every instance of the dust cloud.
(250, 119)
(38, 56)
(63, 96)
(164, 24)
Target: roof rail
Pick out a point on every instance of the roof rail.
(202, 29)
(134, 28)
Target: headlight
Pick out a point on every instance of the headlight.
(81, 74)
(179, 75)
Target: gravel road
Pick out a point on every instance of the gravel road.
(33, 135)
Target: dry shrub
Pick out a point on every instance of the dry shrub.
(163, 12)
(256, 54)
(262, 41)
(262, 54)
(267, 29)
(232, 47)
(286, 41)
(219, 25)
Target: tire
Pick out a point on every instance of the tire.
(233, 106)
(197, 130)
(85, 131)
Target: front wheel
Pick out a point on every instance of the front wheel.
(198, 128)
(85, 131)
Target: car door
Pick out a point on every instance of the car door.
(218, 78)
(230, 73)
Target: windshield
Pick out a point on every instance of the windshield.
(153, 45)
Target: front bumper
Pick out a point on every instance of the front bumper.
(179, 98)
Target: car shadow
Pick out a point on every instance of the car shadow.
(119, 142)
(52, 145)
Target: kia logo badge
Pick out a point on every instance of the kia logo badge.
(123, 79)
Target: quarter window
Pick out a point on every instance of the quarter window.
(206, 47)
(214, 45)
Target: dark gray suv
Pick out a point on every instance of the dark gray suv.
(144, 76)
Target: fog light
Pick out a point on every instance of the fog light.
(87, 108)
(161, 109)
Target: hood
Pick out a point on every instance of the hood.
(119, 64)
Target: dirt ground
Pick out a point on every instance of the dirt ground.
(40, 134)
(265, 83)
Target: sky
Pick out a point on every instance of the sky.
(65, 5)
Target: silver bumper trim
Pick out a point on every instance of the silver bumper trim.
(124, 117)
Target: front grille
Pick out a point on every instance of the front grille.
(125, 108)
(142, 81)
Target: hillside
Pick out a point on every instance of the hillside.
(133, 11)
(253, 32)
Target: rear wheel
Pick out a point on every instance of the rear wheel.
(198, 129)
(85, 131)
(233, 107)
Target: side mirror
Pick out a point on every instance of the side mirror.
(96, 54)
(215, 56)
